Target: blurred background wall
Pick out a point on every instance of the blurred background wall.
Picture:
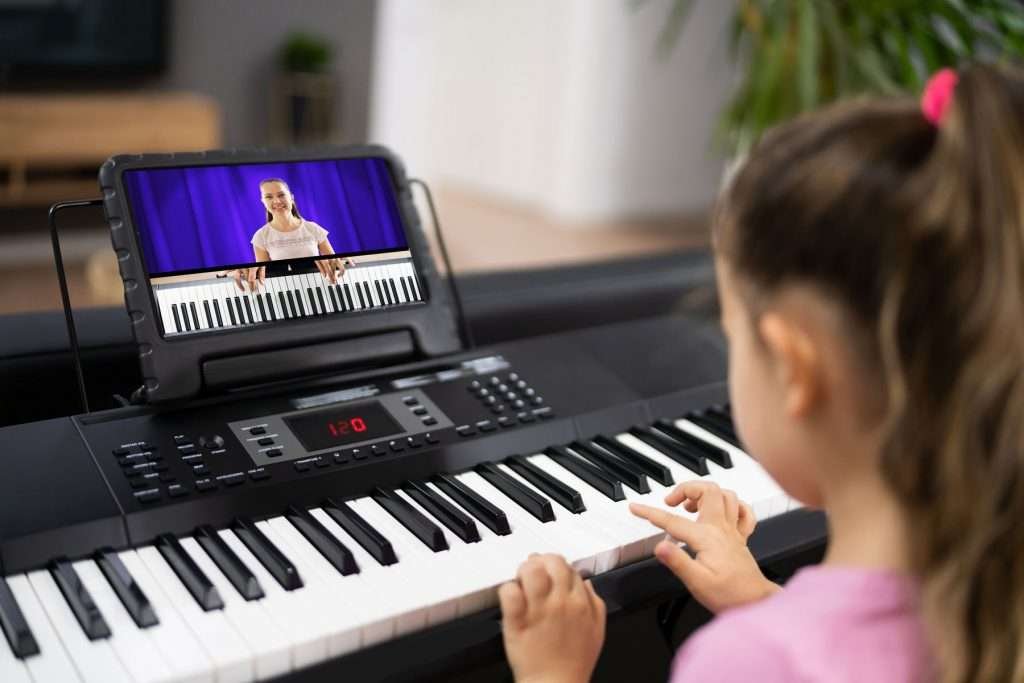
(558, 105)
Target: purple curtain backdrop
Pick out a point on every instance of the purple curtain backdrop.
(204, 217)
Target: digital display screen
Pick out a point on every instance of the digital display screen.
(341, 426)
(236, 245)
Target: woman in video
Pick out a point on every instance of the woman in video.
(287, 235)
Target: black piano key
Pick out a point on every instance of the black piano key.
(79, 600)
(269, 300)
(346, 292)
(594, 476)
(323, 304)
(687, 457)
(358, 528)
(313, 307)
(244, 581)
(177, 319)
(279, 566)
(248, 310)
(359, 292)
(259, 305)
(284, 305)
(380, 293)
(721, 424)
(412, 288)
(622, 471)
(654, 470)
(14, 626)
(529, 500)
(216, 310)
(299, 303)
(725, 435)
(195, 316)
(336, 298)
(405, 290)
(714, 453)
(323, 540)
(210, 322)
(197, 583)
(394, 291)
(558, 491)
(457, 522)
(134, 600)
(476, 505)
(241, 311)
(411, 518)
(186, 319)
(369, 296)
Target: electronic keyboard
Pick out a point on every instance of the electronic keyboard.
(325, 527)
(211, 302)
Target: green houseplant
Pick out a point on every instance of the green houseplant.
(308, 87)
(797, 55)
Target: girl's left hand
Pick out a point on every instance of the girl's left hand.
(552, 622)
(333, 268)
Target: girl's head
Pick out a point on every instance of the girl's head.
(907, 239)
(277, 199)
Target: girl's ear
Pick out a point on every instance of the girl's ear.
(796, 362)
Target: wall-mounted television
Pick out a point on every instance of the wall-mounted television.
(92, 39)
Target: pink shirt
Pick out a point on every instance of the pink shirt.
(828, 624)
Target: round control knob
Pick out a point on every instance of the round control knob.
(211, 442)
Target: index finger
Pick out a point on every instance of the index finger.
(680, 528)
(708, 496)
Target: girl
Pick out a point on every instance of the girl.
(287, 235)
(870, 263)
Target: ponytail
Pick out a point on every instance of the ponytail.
(917, 231)
(957, 384)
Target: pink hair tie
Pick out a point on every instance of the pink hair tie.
(938, 93)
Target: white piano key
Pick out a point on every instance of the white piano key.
(12, 669)
(750, 472)
(343, 621)
(290, 609)
(416, 561)
(468, 566)
(53, 662)
(268, 643)
(94, 659)
(232, 657)
(180, 648)
(381, 577)
(518, 519)
(591, 542)
(140, 657)
(639, 536)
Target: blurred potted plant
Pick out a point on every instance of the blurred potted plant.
(798, 55)
(308, 87)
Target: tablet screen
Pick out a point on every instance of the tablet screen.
(233, 246)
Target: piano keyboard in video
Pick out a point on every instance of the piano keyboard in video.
(217, 303)
(263, 597)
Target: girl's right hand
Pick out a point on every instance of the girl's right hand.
(722, 572)
(254, 277)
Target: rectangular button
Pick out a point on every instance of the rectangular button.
(256, 431)
(176, 491)
(181, 440)
(233, 479)
(273, 452)
(206, 484)
(302, 466)
(259, 474)
(486, 426)
(430, 438)
(430, 421)
(266, 441)
(147, 496)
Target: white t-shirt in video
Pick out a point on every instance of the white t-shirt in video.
(301, 242)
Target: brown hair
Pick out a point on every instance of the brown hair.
(295, 205)
(917, 232)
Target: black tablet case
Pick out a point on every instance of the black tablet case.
(188, 366)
